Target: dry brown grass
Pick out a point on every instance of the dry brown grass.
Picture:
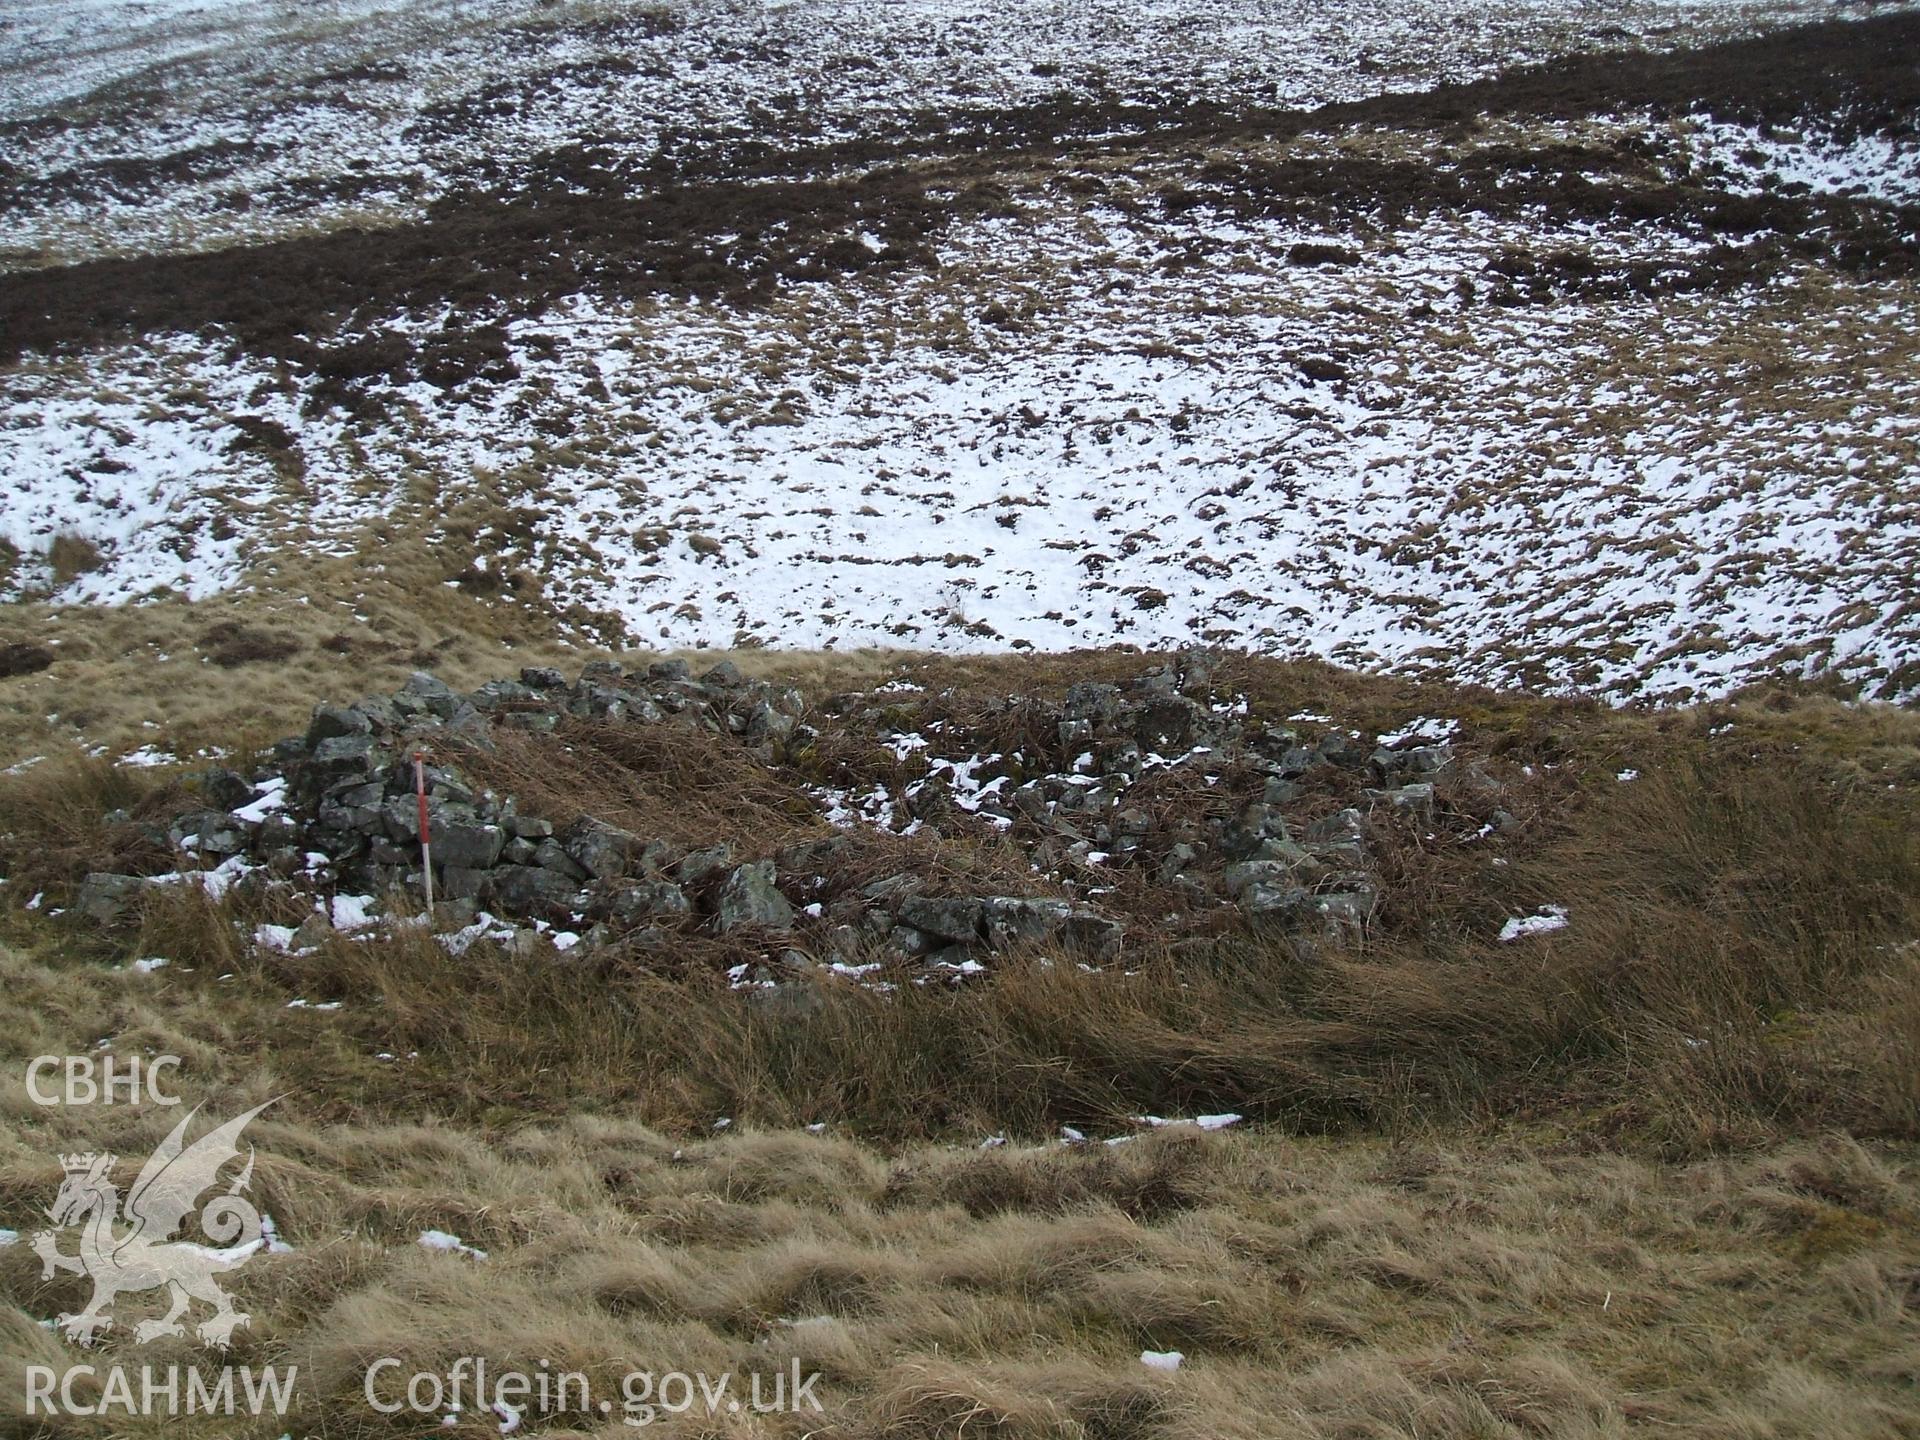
(1740, 957)
(1463, 1288)
(1656, 1170)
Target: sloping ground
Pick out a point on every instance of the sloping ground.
(1436, 1175)
(1595, 375)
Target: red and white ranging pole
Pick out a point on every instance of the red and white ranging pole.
(426, 839)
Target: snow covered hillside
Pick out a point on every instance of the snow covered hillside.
(1540, 345)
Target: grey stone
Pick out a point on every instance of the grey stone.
(495, 693)
(549, 856)
(649, 899)
(1429, 759)
(725, 675)
(108, 899)
(1093, 934)
(960, 921)
(226, 789)
(467, 845)
(1242, 876)
(602, 850)
(538, 721)
(669, 671)
(699, 865)
(595, 671)
(428, 693)
(1178, 858)
(461, 882)
(1280, 791)
(531, 889)
(749, 897)
(211, 832)
(888, 887)
(1341, 827)
(330, 722)
(340, 757)
(518, 852)
(1010, 921)
(1270, 903)
(528, 827)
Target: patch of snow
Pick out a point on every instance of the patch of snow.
(1550, 918)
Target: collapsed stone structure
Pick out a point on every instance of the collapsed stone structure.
(335, 808)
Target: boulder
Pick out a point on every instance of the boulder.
(461, 882)
(470, 845)
(648, 899)
(337, 759)
(749, 897)
(1273, 903)
(108, 899)
(526, 890)
(495, 693)
(226, 789)
(1010, 921)
(602, 850)
(210, 832)
(1093, 934)
(427, 694)
(549, 856)
(697, 866)
(330, 722)
(1243, 875)
(959, 921)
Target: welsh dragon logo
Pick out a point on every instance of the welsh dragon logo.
(130, 1251)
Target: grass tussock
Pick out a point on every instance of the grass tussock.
(675, 783)
(1476, 1290)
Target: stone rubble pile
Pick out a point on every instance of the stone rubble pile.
(335, 808)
